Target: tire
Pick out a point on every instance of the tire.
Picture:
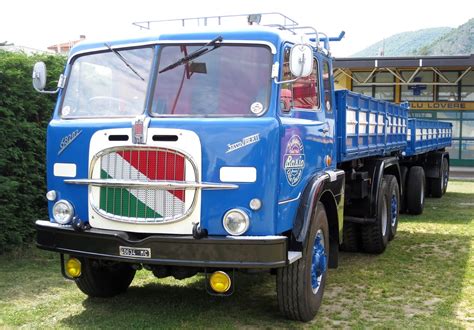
(100, 280)
(351, 237)
(393, 195)
(416, 190)
(436, 187)
(440, 185)
(375, 235)
(300, 285)
(445, 169)
(403, 182)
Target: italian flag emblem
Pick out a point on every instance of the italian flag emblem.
(143, 204)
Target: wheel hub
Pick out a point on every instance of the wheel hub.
(394, 209)
(319, 261)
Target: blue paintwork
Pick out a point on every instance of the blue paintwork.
(275, 127)
(318, 261)
(433, 141)
(362, 143)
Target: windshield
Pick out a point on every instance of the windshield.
(109, 84)
(230, 80)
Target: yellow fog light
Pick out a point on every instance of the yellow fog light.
(220, 282)
(73, 267)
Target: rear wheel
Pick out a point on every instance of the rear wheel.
(104, 279)
(438, 185)
(300, 285)
(351, 237)
(445, 170)
(403, 196)
(375, 235)
(416, 190)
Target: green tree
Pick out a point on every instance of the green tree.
(24, 115)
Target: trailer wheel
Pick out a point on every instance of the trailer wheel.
(440, 185)
(416, 190)
(393, 194)
(375, 235)
(403, 181)
(104, 280)
(300, 285)
(351, 237)
(445, 174)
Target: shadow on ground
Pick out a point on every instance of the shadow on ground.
(419, 279)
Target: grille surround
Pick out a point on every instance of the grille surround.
(95, 203)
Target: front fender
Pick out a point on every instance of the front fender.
(329, 181)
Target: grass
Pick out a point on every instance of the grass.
(425, 279)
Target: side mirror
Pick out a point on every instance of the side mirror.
(39, 76)
(301, 60)
(39, 79)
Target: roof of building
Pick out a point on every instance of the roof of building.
(404, 62)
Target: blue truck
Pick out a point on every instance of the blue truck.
(216, 150)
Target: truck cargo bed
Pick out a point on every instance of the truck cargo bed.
(425, 135)
(368, 127)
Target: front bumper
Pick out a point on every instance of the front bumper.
(214, 251)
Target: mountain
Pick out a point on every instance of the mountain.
(456, 42)
(404, 44)
(434, 41)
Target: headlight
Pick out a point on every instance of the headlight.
(63, 211)
(236, 222)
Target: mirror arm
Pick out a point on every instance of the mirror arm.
(275, 80)
(61, 83)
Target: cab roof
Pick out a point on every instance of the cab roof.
(248, 34)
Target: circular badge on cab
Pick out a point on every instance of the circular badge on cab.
(256, 108)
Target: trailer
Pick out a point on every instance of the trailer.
(216, 150)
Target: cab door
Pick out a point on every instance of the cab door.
(307, 128)
(328, 105)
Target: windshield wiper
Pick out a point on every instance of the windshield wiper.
(199, 52)
(124, 61)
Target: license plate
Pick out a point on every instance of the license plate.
(134, 252)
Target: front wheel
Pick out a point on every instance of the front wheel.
(300, 285)
(104, 279)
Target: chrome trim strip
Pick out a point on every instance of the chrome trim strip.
(46, 223)
(289, 200)
(263, 238)
(162, 185)
(333, 174)
(294, 256)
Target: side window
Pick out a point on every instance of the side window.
(301, 94)
(327, 87)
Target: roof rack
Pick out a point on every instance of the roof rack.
(273, 19)
(280, 20)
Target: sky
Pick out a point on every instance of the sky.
(38, 24)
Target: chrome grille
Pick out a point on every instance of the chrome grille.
(143, 204)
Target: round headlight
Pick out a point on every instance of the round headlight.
(63, 211)
(236, 222)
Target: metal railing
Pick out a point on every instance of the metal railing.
(269, 19)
